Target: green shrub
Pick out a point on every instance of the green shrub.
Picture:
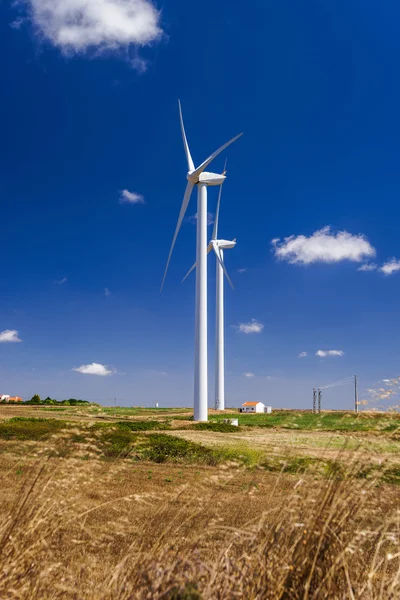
(143, 425)
(22, 428)
(216, 426)
(117, 443)
(161, 448)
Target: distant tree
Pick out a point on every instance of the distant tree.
(35, 399)
(49, 401)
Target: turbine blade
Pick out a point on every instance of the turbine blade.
(185, 142)
(184, 206)
(209, 248)
(205, 164)
(188, 273)
(221, 262)
(215, 230)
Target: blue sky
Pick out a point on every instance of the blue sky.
(88, 109)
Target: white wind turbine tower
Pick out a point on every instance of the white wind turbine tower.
(219, 246)
(202, 179)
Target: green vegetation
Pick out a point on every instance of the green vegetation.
(148, 440)
(20, 428)
(139, 410)
(143, 425)
(216, 426)
(162, 448)
(36, 401)
(117, 443)
(329, 421)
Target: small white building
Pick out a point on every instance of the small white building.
(4, 398)
(255, 407)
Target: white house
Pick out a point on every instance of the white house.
(255, 407)
(5, 397)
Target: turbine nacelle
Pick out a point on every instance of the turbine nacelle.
(217, 245)
(206, 177)
(225, 244)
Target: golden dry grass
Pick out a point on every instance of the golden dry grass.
(74, 526)
(89, 530)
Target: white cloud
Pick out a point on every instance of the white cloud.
(249, 374)
(94, 369)
(107, 292)
(9, 335)
(391, 266)
(393, 382)
(242, 270)
(127, 197)
(381, 394)
(325, 353)
(253, 327)
(368, 267)
(303, 354)
(61, 281)
(75, 26)
(323, 246)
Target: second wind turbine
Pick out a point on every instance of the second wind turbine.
(202, 179)
(219, 245)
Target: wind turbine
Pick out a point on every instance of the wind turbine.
(219, 246)
(202, 179)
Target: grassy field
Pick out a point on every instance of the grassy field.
(105, 503)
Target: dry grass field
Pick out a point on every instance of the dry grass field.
(132, 504)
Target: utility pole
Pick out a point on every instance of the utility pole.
(314, 400)
(355, 394)
(319, 399)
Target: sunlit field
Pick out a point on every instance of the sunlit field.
(126, 503)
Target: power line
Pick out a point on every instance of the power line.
(345, 381)
(317, 392)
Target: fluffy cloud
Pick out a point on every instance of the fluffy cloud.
(9, 335)
(75, 26)
(107, 292)
(325, 353)
(390, 267)
(127, 197)
(368, 267)
(243, 270)
(303, 354)
(323, 246)
(380, 394)
(391, 382)
(249, 374)
(253, 327)
(94, 369)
